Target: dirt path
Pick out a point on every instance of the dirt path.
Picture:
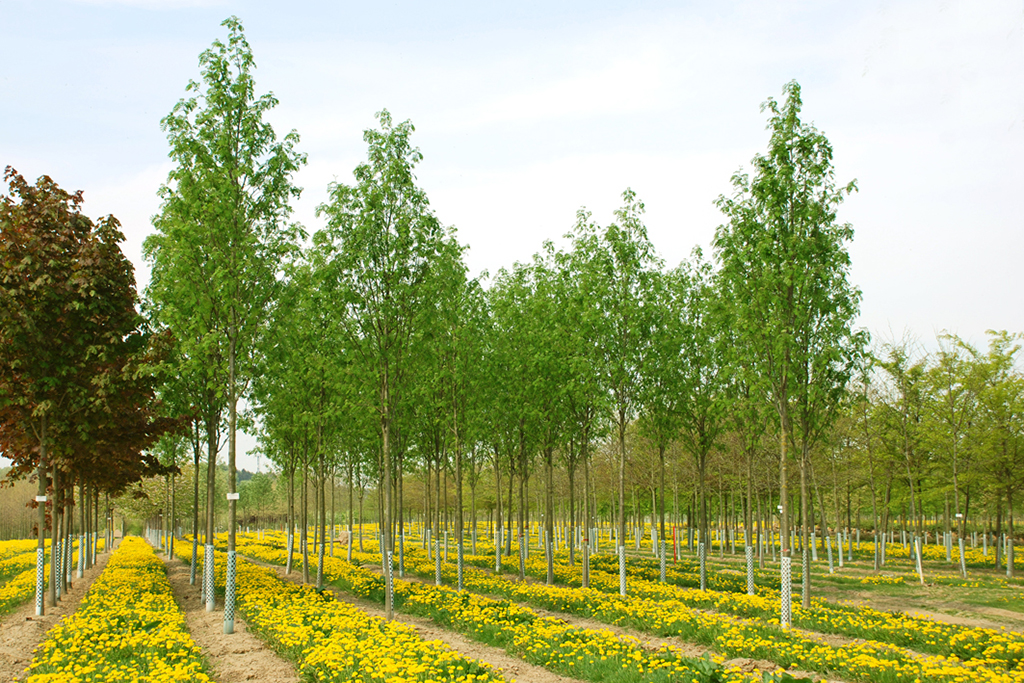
(509, 666)
(240, 656)
(21, 630)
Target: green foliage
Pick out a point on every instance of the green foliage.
(221, 232)
(785, 264)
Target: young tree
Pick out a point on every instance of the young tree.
(547, 381)
(223, 224)
(587, 404)
(704, 377)
(662, 367)
(384, 239)
(454, 326)
(793, 308)
(511, 356)
(620, 276)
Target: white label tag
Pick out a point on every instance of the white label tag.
(233, 496)
(40, 499)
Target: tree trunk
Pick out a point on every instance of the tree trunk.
(54, 520)
(661, 498)
(508, 523)
(211, 486)
(385, 537)
(807, 522)
(588, 512)
(322, 497)
(784, 485)
(571, 530)
(497, 488)
(196, 455)
(522, 502)
(351, 506)
(304, 531)
(334, 506)
(472, 503)
(459, 548)
(41, 474)
(229, 606)
(999, 529)
(290, 539)
(1009, 533)
(549, 514)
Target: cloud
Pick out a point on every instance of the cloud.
(628, 84)
(153, 4)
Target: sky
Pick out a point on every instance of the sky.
(527, 111)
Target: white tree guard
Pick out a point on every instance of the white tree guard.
(401, 554)
(805, 584)
(437, 564)
(81, 558)
(208, 562)
(785, 592)
(622, 570)
(229, 594)
(389, 566)
(702, 557)
(750, 569)
(40, 585)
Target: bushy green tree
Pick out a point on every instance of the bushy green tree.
(222, 231)
(785, 259)
(385, 240)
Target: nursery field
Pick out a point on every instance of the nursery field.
(385, 377)
(862, 625)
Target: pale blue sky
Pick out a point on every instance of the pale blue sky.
(526, 111)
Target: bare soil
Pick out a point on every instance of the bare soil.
(240, 656)
(936, 603)
(22, 631)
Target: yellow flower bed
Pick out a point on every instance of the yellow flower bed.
(18, 590)
(990, 650)
(9, 549)
(1005, 650)
(127, 628)
(971, 653)
(752, 638)
(21, 587)
(882, 580)
(335, 642)
(19, 563)
(583, 653)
